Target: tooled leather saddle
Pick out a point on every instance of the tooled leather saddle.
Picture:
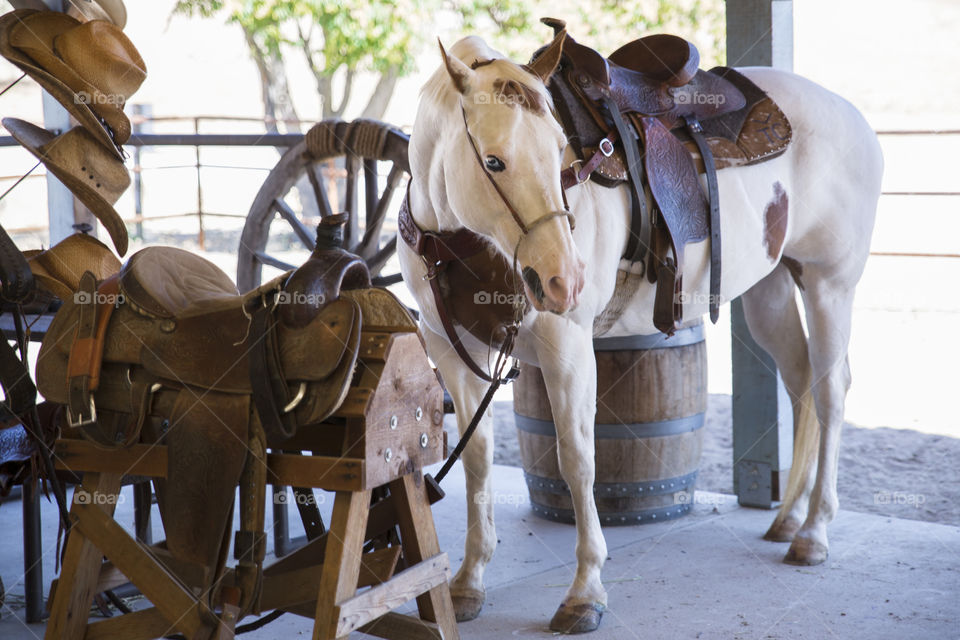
(649, 116)
(167, 351)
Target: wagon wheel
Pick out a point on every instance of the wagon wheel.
(353, 167)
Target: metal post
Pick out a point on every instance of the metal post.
(32, 550)
(139, 128)
(200, 239)
(759, 32)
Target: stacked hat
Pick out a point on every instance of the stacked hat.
(91, 68)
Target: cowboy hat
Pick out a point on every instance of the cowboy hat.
(92, 64)
(84, 166)
(58, 269)
(109, 10)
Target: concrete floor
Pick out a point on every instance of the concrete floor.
(708, 575)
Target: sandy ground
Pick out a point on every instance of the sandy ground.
(894, 472)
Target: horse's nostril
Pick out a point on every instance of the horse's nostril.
(533, 282)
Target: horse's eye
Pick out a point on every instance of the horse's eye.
(495, 164)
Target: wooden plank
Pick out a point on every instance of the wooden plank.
(137, 460)
(325, 472)
(419, 539)
(174, 599)
(81, 564)
(405, 586)
(139, 625)
(341, 570)
(283, 590)
(397, 626)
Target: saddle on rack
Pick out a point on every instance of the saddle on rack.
(649, 116)
(168, 351)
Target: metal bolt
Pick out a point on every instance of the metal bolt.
(424, 440)
(418, 414)
(388, 454)
(393, 423)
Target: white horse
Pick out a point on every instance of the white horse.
(830, 178)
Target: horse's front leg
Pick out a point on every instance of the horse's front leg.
(565, 352)
(467, 390)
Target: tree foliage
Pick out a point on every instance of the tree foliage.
(341, 38)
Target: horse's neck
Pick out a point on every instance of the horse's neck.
(428, 191)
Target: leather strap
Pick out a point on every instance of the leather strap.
(437, 250)
(86, 354)
(571, 178)
(636, 243)
(713, 197)
(269, 387)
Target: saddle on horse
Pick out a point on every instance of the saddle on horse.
(647, 115)
(167, 351)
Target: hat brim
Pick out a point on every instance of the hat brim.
(61, 92)
(59, 268)
(32, 138)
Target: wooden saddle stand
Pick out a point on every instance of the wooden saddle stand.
(168, 373)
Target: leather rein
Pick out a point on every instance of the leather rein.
(438, 249)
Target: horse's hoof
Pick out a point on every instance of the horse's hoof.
(467, 604)
(806, 552)
(577, 618)
(782, 531)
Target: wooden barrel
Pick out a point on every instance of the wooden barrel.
(651, 402)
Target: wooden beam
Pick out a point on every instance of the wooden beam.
(382, 599)
(174, 599)
(137, 460)
(139, 625)
(326, 472)
(285, 590)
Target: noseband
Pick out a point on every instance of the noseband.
(524, 228)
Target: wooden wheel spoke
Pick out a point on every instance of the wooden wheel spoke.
(351, 204)
(307, 237)
(385, 253)
(370, 188)
(314, 173)
(371, 237)
(269, 260)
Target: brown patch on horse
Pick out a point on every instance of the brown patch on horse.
(476, 64)
(775, 222)
(795, 269)
(511, 92)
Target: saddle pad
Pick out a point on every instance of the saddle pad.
(166, 282)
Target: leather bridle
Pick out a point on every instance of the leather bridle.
(524, 228)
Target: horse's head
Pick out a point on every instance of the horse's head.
(502, 167)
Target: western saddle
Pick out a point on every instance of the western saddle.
(670, 119)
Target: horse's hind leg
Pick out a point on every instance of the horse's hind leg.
(467, 391)
(770, 308)
(828, 301)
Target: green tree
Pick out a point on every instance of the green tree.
(339, 39)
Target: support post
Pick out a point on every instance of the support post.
(32, 550)
(759, 33)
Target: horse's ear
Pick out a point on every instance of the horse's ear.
(546, 63)
(459, 72)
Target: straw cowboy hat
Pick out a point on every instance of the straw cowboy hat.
(91, 68)
(84, 166)
(58, 269)
(109, 10)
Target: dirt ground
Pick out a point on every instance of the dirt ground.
(894, 472)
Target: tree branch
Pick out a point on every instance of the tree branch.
(347, 90)
(377, 105)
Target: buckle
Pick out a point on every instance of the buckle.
(606, 147)
(81, 422)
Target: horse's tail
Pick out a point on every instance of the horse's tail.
(806, 441)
